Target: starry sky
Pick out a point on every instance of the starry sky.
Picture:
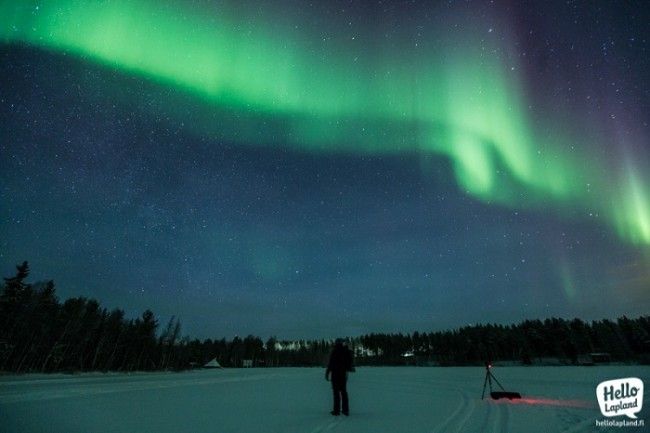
(317, 169)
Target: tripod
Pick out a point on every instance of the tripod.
(488, 380)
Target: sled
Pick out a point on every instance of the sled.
(510, 395)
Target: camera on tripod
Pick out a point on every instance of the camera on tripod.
(496, 395)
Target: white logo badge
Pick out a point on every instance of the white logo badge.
(620, 397)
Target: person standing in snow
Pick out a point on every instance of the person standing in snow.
(339, 364)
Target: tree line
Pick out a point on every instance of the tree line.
(38, 333)
(554, 340)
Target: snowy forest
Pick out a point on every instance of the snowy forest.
(38, 333)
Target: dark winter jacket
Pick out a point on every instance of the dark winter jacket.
(340, 362)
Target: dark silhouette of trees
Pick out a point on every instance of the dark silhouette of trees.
(38, 333)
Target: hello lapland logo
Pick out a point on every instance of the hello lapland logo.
(620, 397)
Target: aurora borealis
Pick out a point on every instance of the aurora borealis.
(432, 152)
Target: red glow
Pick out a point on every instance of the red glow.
(541, 401)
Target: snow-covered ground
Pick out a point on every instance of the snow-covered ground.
(285, 400)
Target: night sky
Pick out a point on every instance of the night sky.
(330, 168)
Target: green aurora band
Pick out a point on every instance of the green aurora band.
(280, 85)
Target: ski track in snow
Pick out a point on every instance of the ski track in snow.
(498, 417)
(577, 424)
(326, 427)
(457, 420)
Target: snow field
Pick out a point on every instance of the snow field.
(283, 400)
